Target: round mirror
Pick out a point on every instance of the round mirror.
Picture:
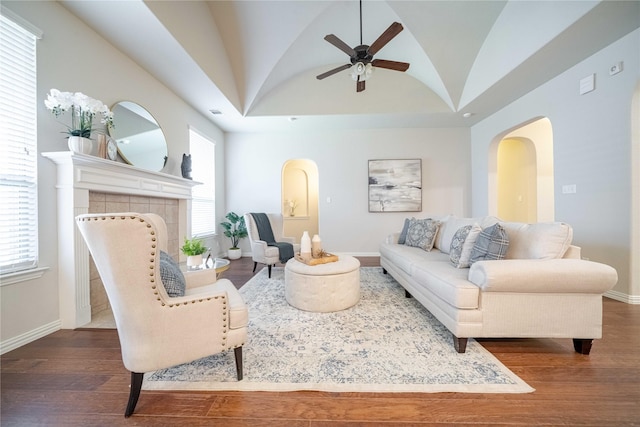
(140, 140)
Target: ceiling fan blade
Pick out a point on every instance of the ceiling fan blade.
(391, 65)
(360, 85)
(334, 40)
(332, 72)
(385, 37)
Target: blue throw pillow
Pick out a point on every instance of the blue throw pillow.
(403, 234)
(171, 275)
(491, 244)
(422, 233)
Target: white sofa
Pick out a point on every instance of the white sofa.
(541, 289)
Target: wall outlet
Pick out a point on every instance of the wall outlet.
(615, 68)
(569, 189)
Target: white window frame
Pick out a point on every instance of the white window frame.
(18, 150)
(203, 201)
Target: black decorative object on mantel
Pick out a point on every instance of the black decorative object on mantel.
(186, 166)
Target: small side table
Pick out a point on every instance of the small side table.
(219, 264)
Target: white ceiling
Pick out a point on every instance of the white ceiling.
(256, 61)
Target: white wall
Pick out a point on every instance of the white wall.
(72, 57)
(592, 149)
(254, 163)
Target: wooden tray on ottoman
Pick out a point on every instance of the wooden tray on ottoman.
(326, 258)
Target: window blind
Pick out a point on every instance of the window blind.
(18, 148)
(203, 205)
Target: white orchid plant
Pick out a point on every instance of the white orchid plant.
(83, 110)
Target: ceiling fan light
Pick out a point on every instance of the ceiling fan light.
(368, 71)
(361, 70)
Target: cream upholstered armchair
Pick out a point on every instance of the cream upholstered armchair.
(157, 330)
(261, 252)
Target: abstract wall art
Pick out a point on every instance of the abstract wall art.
(395, 185)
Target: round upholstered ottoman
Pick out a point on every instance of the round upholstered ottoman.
(326, 287)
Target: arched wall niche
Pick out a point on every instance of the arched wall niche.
(300, 197)
(537, 136)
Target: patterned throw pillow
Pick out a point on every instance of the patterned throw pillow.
(403, 234)
(171, 276)
(422, 233)
(462, 244)
(491, 244)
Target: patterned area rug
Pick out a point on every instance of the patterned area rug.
(385, 343)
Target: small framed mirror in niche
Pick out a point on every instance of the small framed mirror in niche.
(139, 138)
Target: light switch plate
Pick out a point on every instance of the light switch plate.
(587, 84)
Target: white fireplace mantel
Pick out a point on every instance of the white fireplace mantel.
(77, 175)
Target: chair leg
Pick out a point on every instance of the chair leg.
(255, 263)
(269, 268)
(238, 353)
(134, 393)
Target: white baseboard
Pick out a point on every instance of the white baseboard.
(356, 254)
(619, 296)
(27, 337)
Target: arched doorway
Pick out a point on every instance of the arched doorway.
(521, 185)
(517, 183)
(300, 197)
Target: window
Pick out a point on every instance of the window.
(203, 206)
(18, 147)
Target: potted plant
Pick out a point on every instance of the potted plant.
(193, 249)
(235, 229)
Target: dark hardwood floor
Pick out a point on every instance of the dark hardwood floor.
(76, 378)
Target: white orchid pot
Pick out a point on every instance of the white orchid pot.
(78, 144)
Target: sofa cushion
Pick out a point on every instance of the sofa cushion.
(491, 244)
(172, 278)
(543, 240)
(449, 284)
(406, 257)
(462, 245)
(422, 233)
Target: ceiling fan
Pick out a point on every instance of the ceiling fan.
(361, 57)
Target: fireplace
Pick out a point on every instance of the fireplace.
(88, 184)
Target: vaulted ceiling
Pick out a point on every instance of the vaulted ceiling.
(256, 61)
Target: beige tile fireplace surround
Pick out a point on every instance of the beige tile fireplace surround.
(88, 184)
(100, 202)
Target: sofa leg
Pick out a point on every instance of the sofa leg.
(269, 268)
(460, 344)
(238, 353)
(384, 270)
(582, 346)
(255, 264)
(407, 294)
(134, 392)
